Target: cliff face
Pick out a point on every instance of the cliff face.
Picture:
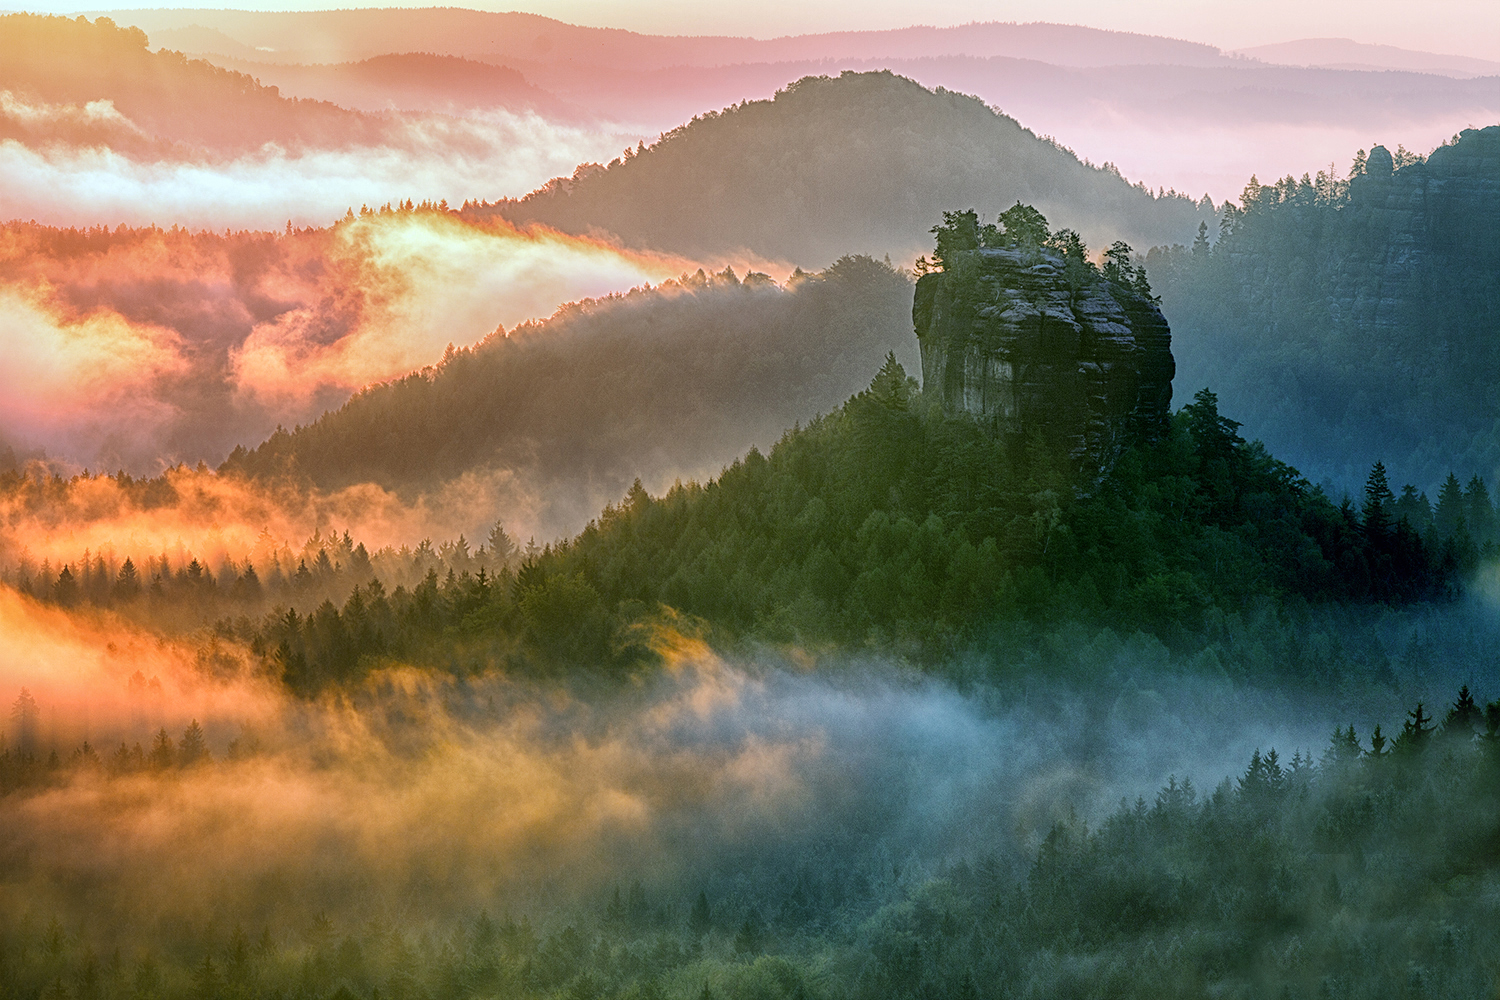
(1359, 326)
(1013, 340)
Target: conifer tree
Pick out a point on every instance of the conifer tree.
(127, 582)
(1449, 513)
(194, 747)
(163, 752)
(24, 712)
(1416, 731)
(1464, 717)
(700, 918)
(1378, 505)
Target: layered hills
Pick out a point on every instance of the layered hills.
(409, 81)
(1172, 113)
(96, 83)
(658, 384)
(348, 35)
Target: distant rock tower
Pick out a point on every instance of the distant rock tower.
(1017, 340)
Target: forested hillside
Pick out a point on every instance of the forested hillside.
(1345, 320)
(859, 163)
(581, 706)
(658, 383)
(1330, 874)
(61, 65)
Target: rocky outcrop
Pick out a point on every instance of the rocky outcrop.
(1020, 340)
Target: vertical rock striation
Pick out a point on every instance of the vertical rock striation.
(1019, 340)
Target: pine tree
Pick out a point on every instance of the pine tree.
(1416, 731)
(194, 747)
(163, 753)
(1464, 717)
(1379, 502)
(1414, 508)
(65, 591)
(1343, 748)
(502, 547)
(1201, 247)
(1478, 510)
(700, 918)
(127, 583)
(25, 713)
(748, 940)
(1449, 513)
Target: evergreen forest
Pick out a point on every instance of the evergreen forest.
(684, 662)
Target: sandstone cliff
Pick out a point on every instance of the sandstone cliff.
(1016, 339)
(1342, 325)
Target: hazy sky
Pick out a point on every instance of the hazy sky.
(1464, 27)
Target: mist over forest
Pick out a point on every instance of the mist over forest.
(493, 507)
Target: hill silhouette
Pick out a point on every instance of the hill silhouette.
(410, 81)
(673, 381)
(55, 68)
(862, 162)
(351, 35)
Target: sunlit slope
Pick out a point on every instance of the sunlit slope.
(865, 162)
(670, 382)
(139, 348)
(1344, 322)
(96, 84)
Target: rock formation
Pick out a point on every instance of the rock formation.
(1346, 325)
(1021, 340)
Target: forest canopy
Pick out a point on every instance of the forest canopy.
(1340, 316)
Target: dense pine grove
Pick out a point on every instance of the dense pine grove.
(880, 526)
(1340, 875)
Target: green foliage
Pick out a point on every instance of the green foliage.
(882, 523)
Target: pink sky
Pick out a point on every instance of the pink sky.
(1462, 27)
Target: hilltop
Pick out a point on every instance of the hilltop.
(861, 162)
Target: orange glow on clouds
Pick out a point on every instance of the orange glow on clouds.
(426, 280)
(148, 347)
(78, 372)
(214, 518)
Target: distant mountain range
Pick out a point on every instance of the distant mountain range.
(55, 69)
(1343, 53)
(411, 81)
(349, 35)
(1168, 112)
